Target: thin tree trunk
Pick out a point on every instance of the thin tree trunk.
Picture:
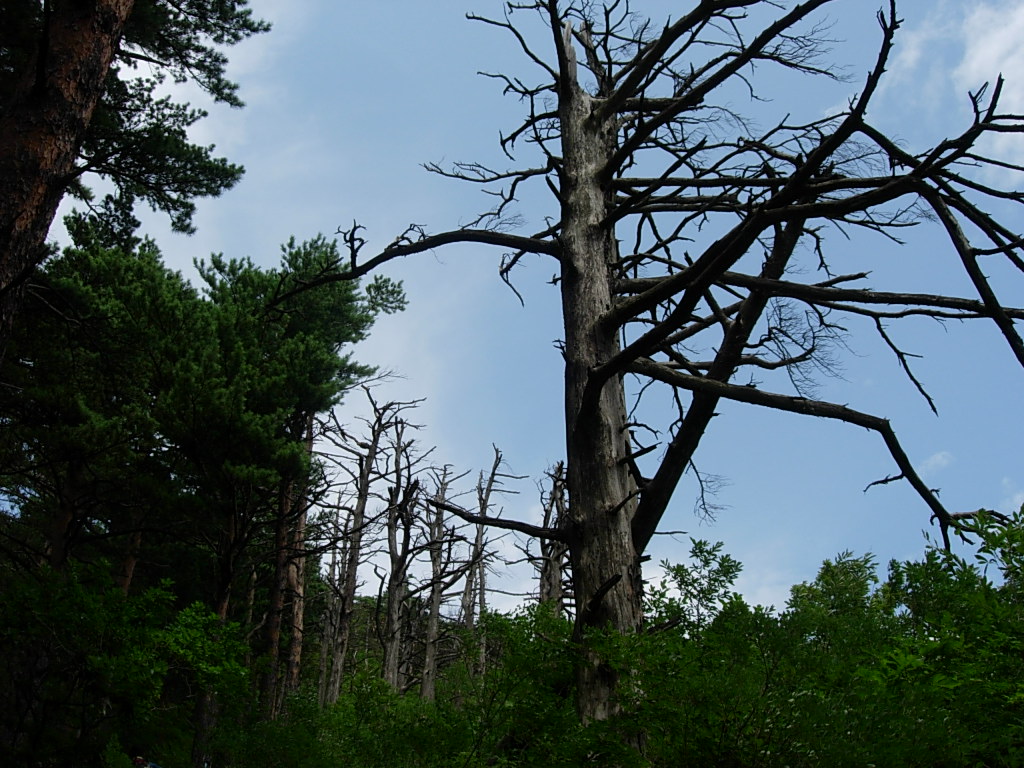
(41, 131)
(467, 606)
(329, 637)
(404, 499)
(350, 578)
(68, 516)
(481, 667)
(297, 589)
(297, 582)
(553, 553)
(393, 635)
(428, 681)
(341, 616)
(353, 554)
(130, 559)
(275, 608)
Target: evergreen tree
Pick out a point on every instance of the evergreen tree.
(158, 438)
(72, 103)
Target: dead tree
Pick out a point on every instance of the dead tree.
(401, 521)
(359, 460)
(447, 567)
(552, 565)
(474, 595)
(295, 584)
(474, 591)
(554, 579)
(691, 251)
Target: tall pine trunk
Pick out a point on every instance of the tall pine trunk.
(41, 132)
(275, 608)
(297, 590)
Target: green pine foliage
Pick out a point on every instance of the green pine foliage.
(138, 139)
(147, 433)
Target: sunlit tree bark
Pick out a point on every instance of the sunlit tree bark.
(41, 130)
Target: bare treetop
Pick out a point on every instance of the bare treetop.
(693, 249)
(715, 222)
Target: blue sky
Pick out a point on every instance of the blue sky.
(346, 100)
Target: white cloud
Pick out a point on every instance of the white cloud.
(769, 588)
(991, 36)
(943, 51)
(918, 73)
(1013, 496)
(935, 463)
(991, 33)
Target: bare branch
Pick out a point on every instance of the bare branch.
(802, 406)
(500, 522)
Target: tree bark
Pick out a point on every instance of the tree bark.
(297, 590)
(41, 132)
(400, 516)
(123, 580)
(71, 491)
(432, 631)
(344, 600)
(467, 605)
(602, 493)
(275, 608)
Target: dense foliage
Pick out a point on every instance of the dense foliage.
(924, 669)
(154, 447)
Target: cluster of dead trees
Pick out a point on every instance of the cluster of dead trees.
(385, 568)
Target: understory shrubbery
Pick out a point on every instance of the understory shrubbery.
(923, 669)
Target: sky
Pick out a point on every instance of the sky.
(346, 101)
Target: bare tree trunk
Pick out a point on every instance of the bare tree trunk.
(289, 543)
(467, 607)
(474, 595)
(481, 608)
(350, 576)
(329, 636)
(275, 607)
(341, 619)
(605, 562)
(41, 131)
(366, 454)
(553, 553)
(445, 571)
(392, 634)
(297, 589)
(400, 519)
(432, 631)
(69, 514)
(130, 559)
(296, 580)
